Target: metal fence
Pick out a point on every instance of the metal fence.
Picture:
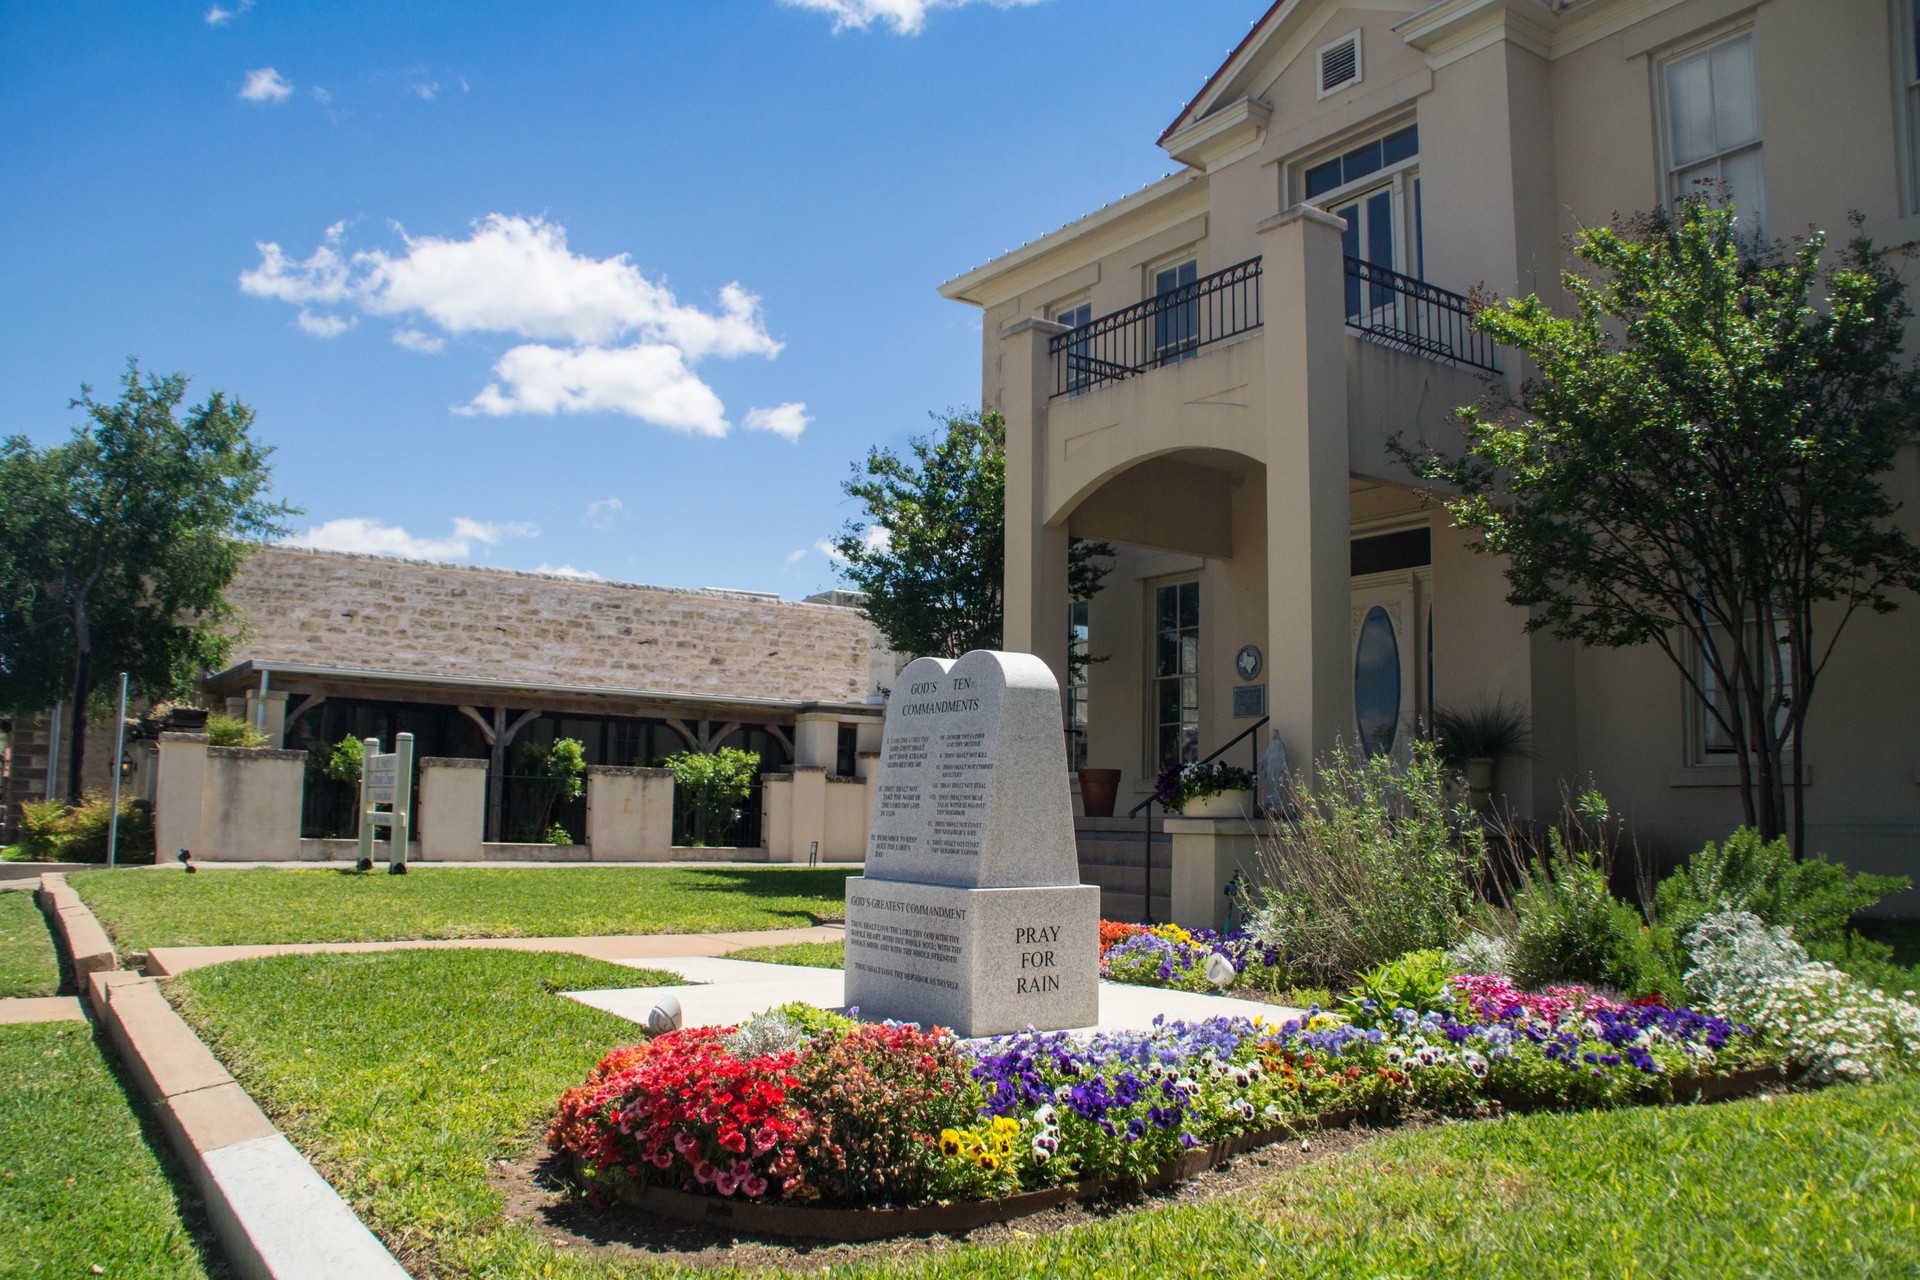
(742, 833)
(1159, 331)
(1412, 315)
(531, 805)
(327, 808)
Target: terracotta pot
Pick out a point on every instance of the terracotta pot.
(1227, 804)
(1098, 788)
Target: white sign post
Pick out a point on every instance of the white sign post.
(386, 780)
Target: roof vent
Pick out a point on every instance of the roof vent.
(1339, 64)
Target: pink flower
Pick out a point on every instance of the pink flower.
(661, 1159)
(684, 1142)
(754, 1185)
(725, 1183)
(703, 1172)
(741, 1169)
(764, 1140)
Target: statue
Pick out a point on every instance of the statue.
(1273, 776)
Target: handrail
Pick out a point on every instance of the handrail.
(1161, 330)
(1146, 831)
(1411, 315)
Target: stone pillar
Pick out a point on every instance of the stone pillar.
(178, 794)
(251, 806)
(776, 817)
(807, 814)
(453, 808)
(275, 724)
(1206, 853)
(1036, 569)
(1309, 564)
(629, 814)
(816, 740)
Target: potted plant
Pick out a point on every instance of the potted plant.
(1206, 790)
(1098, 789)
(1473, 740)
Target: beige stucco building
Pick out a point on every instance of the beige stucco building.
(1205, 373)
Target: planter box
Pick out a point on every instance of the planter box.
(1227, 804)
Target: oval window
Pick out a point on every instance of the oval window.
(1376, 683)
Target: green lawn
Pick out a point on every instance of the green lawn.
(165, 907)
(404, 1074)
(84, 1192)
(814, 955)
(28, 964)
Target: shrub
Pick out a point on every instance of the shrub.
(1572, 929)
(1815, 898)
(1819, 1018)
(343, 762)
(1371, 864)
(54, 831)
(1418, 980)
(1486, 730)
(1481, 953)
(559, 771)
(716, 785)
(232, 731)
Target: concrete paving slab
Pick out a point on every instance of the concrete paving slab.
(164, 962)
(721, 992)
(42, 1009)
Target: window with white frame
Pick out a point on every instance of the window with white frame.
(1712, 107)
(1175, 674)
(1906, 25)
(1076, 315)
(1078, 660)
(1375, 186)
(1712, 742)
(1176, 323)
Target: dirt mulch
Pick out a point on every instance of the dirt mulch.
(535, 1192)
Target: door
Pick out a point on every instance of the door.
(1370, 238)
(1390, 671)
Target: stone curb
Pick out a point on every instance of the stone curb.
(75, 931)
(275, 1216)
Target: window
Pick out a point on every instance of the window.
(846, 754)
(1907, 81)
(1376, 188)
(1176, 674)
(1340, 64)
(1713, 744)
(1176, 325)
(1077, 685)
(1079, 353)
(1713, 127)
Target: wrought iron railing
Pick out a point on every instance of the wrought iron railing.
(1412, 315)
(1160, 331)
(1145, 807)
(690, 826)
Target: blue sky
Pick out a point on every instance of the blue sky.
(621, 287)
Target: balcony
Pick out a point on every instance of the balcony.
(1385, 306)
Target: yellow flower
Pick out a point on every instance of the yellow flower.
(1005, 1125)
(949, 1143)
(989, 1162)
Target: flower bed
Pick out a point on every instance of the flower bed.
(800, 1108)
(1166, 955)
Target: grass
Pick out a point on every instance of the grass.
(28, 963)
(85, 1194)
(164, 907)
(813, 955)
(404, 1074)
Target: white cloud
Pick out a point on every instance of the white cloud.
(603, 336)
(322, 96)
(324, 326)
(218, 16)
(786, 421)
(264, 85)
(414, 340)
(421, 85)
(643, 381)
(377, 538)
(568, 571)
(602, 514)
(906, 17)
(794, 558)
(874, 539)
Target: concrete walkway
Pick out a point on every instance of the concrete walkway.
(723, 992)
(639, 949)
(41, 1009)
(420, 864)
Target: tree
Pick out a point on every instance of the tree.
(559, 772)
(716, 784)
(1697, 465)
(116, 547)
(930, 554)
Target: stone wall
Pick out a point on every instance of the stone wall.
(375, 613)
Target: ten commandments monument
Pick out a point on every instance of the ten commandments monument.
(971, 915)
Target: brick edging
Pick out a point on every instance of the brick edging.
(75, 932)
(275, 1216)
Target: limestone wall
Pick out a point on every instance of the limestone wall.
(375, 613)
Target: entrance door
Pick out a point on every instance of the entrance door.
(1369, 237)
(1390, 672)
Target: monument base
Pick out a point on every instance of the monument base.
(980, 962)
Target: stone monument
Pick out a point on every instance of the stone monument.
(971, 914)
